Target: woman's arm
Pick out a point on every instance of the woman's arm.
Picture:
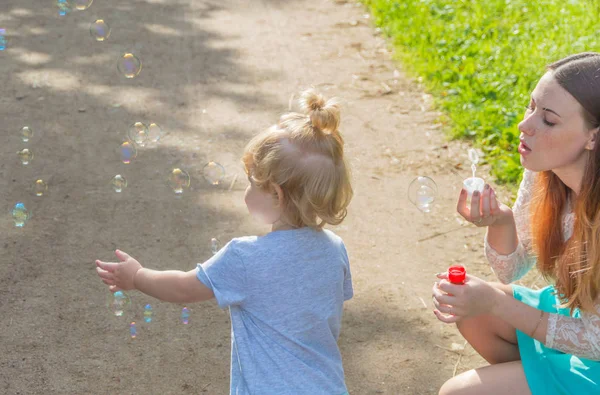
(576, 336)
(508, 242)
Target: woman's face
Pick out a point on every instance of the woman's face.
(554, 134)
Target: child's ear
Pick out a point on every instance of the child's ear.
(279, 193)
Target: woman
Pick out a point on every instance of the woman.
(545, 341)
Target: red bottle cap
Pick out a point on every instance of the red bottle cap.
(456, 274)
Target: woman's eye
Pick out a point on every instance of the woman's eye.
(549, 123)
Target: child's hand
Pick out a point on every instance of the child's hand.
(119, 275)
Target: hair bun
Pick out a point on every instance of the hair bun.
(324, 114)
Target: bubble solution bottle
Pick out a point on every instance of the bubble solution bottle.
(473, 183)
(457, 274)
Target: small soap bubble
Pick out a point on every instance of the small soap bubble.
(119, 183)
(100, 30)
(26, 133)
(40, 187)
(179, 180)
(138, 133)
(129, 65)
(20, 214)
(155, 132)
(215, 245)
(213, 173)
(422, 192)
(473, 156)
(63, 7)
(25, 155)
(3, 40)
(81, 5)
(132, 330)
(128, 152)
(118, 302)
(185, 315)
(148, 313)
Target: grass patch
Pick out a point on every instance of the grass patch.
(482, 59)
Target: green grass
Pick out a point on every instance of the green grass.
(482, 59)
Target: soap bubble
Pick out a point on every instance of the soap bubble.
(81, 5)
(20, 214)
(213, 173)
(119, 183)
(129, 65)
(63, 7)
(422, 192)
(40, 187)
(473, 156)
(155, 132)
(138, 133)
(148, 313)
(118, 302)
(26, 134)
(100, 30)
(25, 156)
(3, 41)
(214, 245)
(128, 152)
(179, 180)
(185, 315)
(132, 330)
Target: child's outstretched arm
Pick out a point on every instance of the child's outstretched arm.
(170, 286)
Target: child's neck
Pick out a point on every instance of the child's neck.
(279, 225)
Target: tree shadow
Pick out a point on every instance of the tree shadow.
(56, 334)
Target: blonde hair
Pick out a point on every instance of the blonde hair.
(304, 155)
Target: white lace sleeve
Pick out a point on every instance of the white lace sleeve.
(509, 268)
(576, 336)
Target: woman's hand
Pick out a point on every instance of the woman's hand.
(485, 209)
(456, 301)
(119, 275)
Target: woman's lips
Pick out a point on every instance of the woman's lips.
(524, 149)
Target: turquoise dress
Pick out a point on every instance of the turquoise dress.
(548, 371)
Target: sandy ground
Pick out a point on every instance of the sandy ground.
(214, 73)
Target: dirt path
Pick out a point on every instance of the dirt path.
(215, 72)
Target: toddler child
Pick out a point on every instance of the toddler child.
(285, 290)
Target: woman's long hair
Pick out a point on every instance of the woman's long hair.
(573, 264)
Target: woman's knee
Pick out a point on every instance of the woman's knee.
(458, 385)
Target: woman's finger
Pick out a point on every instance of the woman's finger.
(442, 275)
(485, 202)
(445, 309)
(445, 299)
(475, 213)
(449, 288)
(493, 202)
(461, 206)
(448, 319)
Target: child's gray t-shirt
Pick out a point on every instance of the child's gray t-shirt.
(285, 291)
